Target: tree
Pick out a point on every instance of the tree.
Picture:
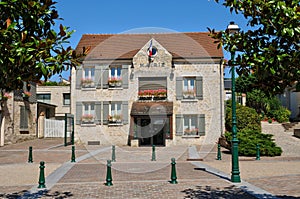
(30, 48)
(269, 50)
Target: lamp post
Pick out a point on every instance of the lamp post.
(235, 173)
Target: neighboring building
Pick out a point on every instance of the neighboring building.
(240, 97)
(18, 115)
(145, 89)
(57, 95)
(291, 100)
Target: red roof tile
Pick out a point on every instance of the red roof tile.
(125, 46)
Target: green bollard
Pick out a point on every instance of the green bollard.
(219, 152)
(173, 172)
(257, 152)
(30, 155)
(108, 174)
(73, 154)
(42, 175)
(153, 153)
(113, 154)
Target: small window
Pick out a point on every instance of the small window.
(66, 99)
(189, 87)
(115, 76)
(190, 126)
(88, 115)
(46, 98)
(88, 78)
(115, 112)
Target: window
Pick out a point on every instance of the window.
(23, 118)
(190, 125)
(115, 76)
(189, 88)
(66, 97)
(46, 98)
(115, 115)
(88, 78)
(88, 115)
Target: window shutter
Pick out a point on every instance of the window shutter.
(125, 112)
(199, 87)
(152, 83)
(179, 86)
(98, 112)
(125, 76)
(179, 125)
(78, 112)
(78, 77)
(97, 76)
(105, 76)
(201, 124)
(23, 117)
(105, 112)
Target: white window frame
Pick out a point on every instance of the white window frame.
(190, 122)
(88, 108)
(115, 111)
(189, 86)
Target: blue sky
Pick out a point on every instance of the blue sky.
(117, 16)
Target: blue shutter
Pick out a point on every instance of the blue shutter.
(78, 77)
(125, 112)
(78, 112)
(179, 86)
(201, 124)
(105, 112)
(199, 87)
(125, 76)
(179, 125)
(98, 112)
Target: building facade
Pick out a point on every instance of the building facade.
(148, 89)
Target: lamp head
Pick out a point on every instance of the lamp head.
(232, 28)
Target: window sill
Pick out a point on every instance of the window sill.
(190, 136)
(115, 124)
(190, 100)
(115, 88)
(88, 89)
(91, 124)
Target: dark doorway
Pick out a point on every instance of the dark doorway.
(151, 131)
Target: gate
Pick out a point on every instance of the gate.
(54, 128)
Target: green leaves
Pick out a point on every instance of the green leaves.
(270, 49)
(29, 45)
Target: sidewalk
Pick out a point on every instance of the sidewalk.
(136, 176)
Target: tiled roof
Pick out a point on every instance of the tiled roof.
(125, 46)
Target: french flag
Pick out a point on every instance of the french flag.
(150, 49)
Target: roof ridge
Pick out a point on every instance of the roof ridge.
(154, 33)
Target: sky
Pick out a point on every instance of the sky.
(119, 16)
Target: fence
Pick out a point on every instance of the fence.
(54, 128)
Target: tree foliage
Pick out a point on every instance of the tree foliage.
(30, 48)
(270, 48)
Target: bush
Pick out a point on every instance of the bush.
(248, 139)
(282, 114)
(247, 118)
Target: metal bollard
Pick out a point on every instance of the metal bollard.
(173, 172)
(73, 154)
(113, 154)
(108, 174)
(42, 175)
(153, 153)
(219, 152)
(30, 155)
(257, 152)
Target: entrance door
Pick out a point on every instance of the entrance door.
(152, 131)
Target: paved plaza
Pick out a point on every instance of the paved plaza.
(135, 175)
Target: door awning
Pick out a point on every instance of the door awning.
(152, 108)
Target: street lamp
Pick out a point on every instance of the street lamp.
(235, 173)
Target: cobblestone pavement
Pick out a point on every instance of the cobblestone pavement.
(136, 176)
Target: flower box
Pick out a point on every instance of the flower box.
(115, 82)
(188, 131)
(159, 94)
(115, 119)
(87, 119)
(87, 83)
